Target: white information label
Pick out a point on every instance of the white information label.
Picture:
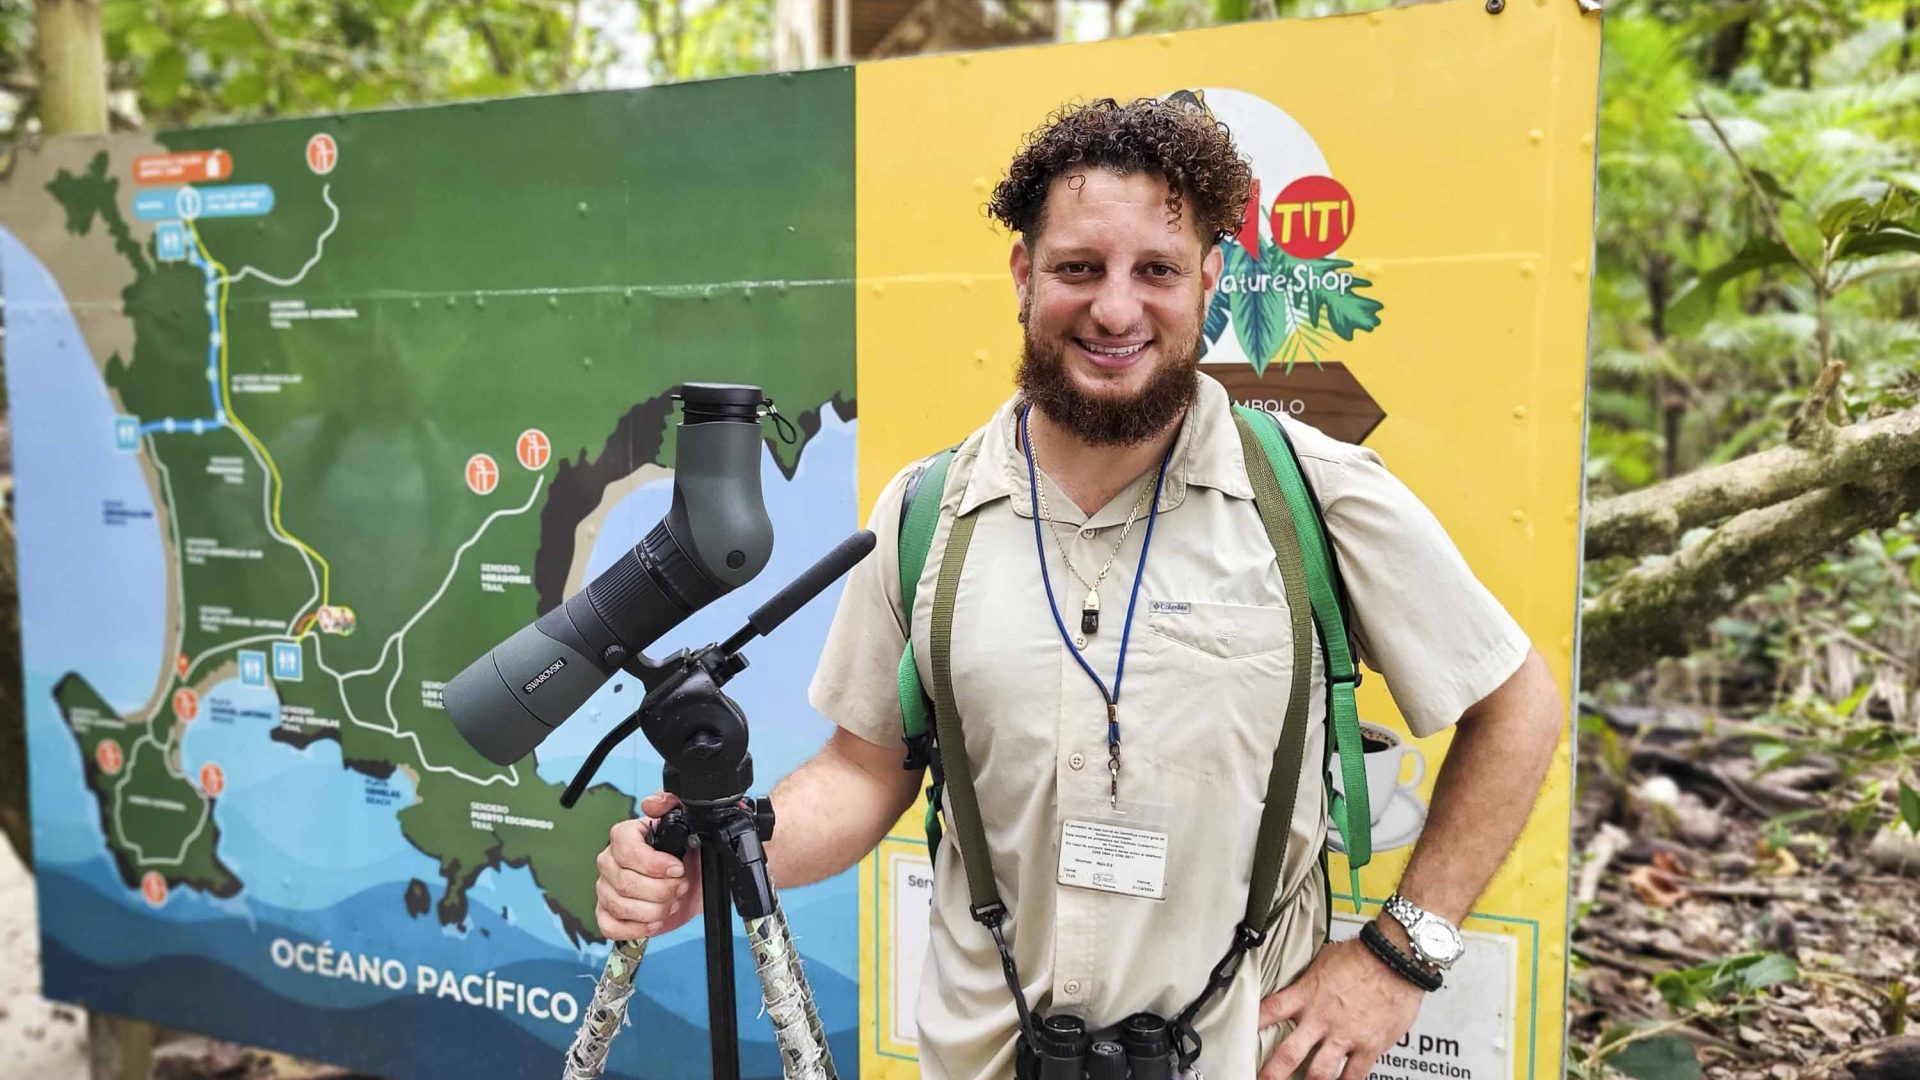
(1110, 858)
(912, 879)
(1465, 1029)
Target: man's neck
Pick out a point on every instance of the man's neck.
(1092, 474)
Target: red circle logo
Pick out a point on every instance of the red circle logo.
(154, 888)
(213, 779)
(533, 449)
(107, 756)
(322, 153)
(181, 665)
(1312, 217)
(483, 474)
(186, 703)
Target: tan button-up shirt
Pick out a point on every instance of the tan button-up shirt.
(1207, 676)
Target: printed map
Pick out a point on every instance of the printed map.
(308, 415)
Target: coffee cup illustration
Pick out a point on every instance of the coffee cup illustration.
(1393, 799)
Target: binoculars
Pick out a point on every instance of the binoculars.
(1138, 1048)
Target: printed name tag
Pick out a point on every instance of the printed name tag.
(1131, 862)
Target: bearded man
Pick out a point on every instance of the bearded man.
(1119, 648)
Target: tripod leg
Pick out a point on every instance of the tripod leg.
(587, 1057)
(789, 1000)
(723, 1028)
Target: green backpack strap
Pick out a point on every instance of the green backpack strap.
(919, 518)
(1351, 814)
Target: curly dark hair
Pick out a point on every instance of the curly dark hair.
(1177, 139)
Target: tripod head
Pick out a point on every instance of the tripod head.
(700, 732)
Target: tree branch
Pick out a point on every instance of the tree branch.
(1653, 519)
(1663, 607)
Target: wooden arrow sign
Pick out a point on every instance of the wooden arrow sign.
(1325, 395)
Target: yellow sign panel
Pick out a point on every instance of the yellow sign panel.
(1424, 225)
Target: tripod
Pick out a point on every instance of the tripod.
(701, 735)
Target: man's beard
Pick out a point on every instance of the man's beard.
(1106, 419)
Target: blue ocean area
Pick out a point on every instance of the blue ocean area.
(318, 846)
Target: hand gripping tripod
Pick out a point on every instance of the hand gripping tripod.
(702, 736)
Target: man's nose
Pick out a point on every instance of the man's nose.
(1117, 307)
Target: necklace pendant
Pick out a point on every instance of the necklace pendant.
(1090, 613)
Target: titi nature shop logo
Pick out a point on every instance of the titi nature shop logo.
(1283, 295)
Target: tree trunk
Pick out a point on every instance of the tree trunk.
(73, 67)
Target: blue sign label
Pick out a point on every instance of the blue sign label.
(126, 433)
(286, 661)
(170, 241)
(214, 201)
(253, 668)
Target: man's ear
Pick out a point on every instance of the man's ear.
(1020, 262)
(1210, 269)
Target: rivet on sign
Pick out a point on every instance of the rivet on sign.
(790, 228)
(416, 305)
(1586, 142)
(1495, 7)
(1579, 269)
(451, 301)
(479, 301)
(1519, 412)
(878, 288)
(626, 297)
(582, 209)
(1536, 135)
(553, 303)
(1526, 268)
(587, 362)
(980, 357)
(1519, 515)
(746, 293)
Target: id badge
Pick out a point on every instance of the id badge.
(1123, 852)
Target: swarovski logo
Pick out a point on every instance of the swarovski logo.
(534, 684)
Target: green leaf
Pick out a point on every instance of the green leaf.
(1346, 311)
(122, 16)
(1259, 310)
(146, 40)
(1683, 989)
(1844, 215)
(228, 34)
(1768, 969)
(1884, 241)
(1662, 1057)
(166, 77)
(1772, 186)
(1766, 753)
(245, 90)
(1910, 807)
(1217, 316)
(1691, 308)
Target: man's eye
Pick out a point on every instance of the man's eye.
(1161, 270)
(1074, 268)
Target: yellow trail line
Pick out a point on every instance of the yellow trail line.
(233, 417)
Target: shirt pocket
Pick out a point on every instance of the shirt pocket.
(1225, 631)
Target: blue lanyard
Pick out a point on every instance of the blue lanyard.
(1112, 697)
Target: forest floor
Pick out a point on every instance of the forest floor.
(1724, 905)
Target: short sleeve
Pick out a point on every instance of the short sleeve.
(856, 685)
(1422, 619)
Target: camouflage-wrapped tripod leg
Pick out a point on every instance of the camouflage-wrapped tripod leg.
(587, 1057)
(789, 1001)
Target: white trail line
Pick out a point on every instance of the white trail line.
(319, 248)
(396, 641)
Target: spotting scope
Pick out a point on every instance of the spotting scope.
(714, 539)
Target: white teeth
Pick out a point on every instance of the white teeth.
(1128, 351)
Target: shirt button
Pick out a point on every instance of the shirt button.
(1072, 986)
(1087, 533)
(1079, 641)
(1076, 761)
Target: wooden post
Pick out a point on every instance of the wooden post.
(73, 101)
(73, 67)
(118, 1049)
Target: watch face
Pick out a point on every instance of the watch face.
(1434, 942)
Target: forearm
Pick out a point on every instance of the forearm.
(1485, 790)
(834, 809)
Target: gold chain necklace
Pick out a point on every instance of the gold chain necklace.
(1090, 608)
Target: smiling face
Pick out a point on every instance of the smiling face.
(1113, 297)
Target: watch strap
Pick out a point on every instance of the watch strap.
(1415, 972)
(1410, 915)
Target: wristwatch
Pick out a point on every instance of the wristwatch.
(1434, 939)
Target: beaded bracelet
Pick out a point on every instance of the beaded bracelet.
(1403, 965)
